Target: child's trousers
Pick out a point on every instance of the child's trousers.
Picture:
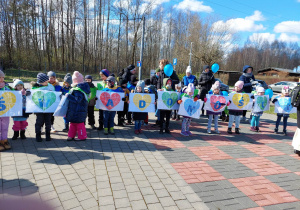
(42, 118)
(235, 118)
(185, 126)
(137, 124)
(255, 121)
(108, 118)
(77, 128)
(91, 116)
(20, 125)
(285, 118)
(4, 122)
(210, 118)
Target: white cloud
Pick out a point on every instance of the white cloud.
(260, 37)
(288, 38)
(194, 6)
(288, 27)
(243, 24)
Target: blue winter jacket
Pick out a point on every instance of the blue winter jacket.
(191, 79)
(247, 80)
(78, 103)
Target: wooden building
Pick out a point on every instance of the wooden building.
(278, 72)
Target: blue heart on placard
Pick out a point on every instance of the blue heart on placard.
(191, 106)
(285, 104)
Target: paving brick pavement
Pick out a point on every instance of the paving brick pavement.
(153, 171)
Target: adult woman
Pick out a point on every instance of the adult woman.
(173, 77)
(206, 80)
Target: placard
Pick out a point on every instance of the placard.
(111, 101)
(141, 102)
(42, 101)
(190, 108)
(167, 100)
(215, 103)
(11, 103)
(240, 101)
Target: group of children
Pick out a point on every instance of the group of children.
(81, 94)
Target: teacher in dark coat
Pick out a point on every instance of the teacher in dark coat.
(173, 77)
(206, 80)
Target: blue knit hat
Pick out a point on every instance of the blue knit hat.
(68, 78)
(41, 78)
(105, 72)
(51, 74)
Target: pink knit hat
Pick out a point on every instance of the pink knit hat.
(239, 84)
(285, 89)
(190, 88)
(77, 78)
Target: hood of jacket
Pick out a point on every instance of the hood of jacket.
(246, 67)
(165, 80)
(84, 86)
(140, 84)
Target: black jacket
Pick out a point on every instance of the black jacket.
(160, 81)
(153, 80)
(206, 80)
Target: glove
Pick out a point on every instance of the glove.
(196, 98)
(96, 98)
(28, 93)
(61, 95)
(252, 97)
(23, 91)
(229, 102)
(205, 99)
(124, 99)
(179, 101)
(275, 100)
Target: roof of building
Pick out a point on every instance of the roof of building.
(278, 69)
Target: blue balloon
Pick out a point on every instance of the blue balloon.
(168, 69)
(215, 67)
(225, 93)
(269, 92)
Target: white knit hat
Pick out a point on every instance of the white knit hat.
(17, 82)
(285, 89)
(260, 90)
(189, 70)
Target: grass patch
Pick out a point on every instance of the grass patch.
(272, 110)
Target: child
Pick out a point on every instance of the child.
(235, 115)
(131, 87)
(20, 122)
(77, 108)
(138, 117)
(167, 86)
(175, 115)
(92, 101)
(42, 118)
(121, 114)
(4, 120)
(65, 89)
(104, 74)
(215, 91)
(190, 93)
(284, 93)
(53, 81)
(256, 115)
(108, 116)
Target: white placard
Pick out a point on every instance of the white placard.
(167, 100)
(240, 101)
(283, 105)
(111, 101)
(141, 102)
(216, 103)
(42, 101)
(190, 108)
(261, 103)
(11, 103)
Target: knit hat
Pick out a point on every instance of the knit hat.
(17, 82)
(179, 84)
(130, 67)
(68, 78)
(189, 70)
(77, 78)
(111, 79)
(216, 85)
(260, 90)
(41, 78)
(140, 84)
(285, 89)
(147, 81)
(89, 77)
(190, 88)
(51, 74)
(157, 70)
(105, 72)
(2, 74)
(239, 84)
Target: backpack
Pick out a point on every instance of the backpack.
(295, 96)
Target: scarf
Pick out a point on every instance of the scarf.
(248, 75)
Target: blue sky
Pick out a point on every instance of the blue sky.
(256, 19)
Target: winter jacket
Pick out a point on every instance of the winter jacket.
(165, 84)
(78, 103)
(154, 80)
(140, 115)
(92, 98)
(162, 76)
(191, 79)
(65, 90)
(127, 75)
(206, 80)
(247, 79)
(41, 87)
